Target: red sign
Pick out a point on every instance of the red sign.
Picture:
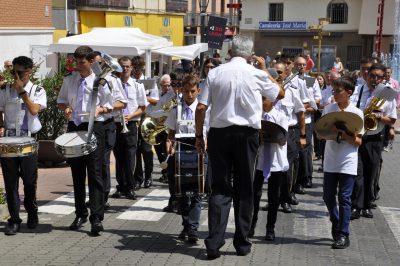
(234, 5)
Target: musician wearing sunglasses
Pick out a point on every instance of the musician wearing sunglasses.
(74, 99)
(21, 102)
(371, 148)
(340, 164)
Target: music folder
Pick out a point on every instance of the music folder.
(148, 83)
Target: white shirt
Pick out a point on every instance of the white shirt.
(278, 153)
(291, 104)
(173, 124)
(117, 93)
(234, 90)
(10, 101)
(387, 109)
(341, 157)
(136, 96)
(327, 96)
(151, 93)
(69, 92)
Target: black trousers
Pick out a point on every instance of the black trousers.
(370, 154)
(190, 207)
(110, 135)
(231, 148)
(93, 164)
(289, 182)
(161, 149)
(274, 185)
(305, 157)
(317, 142)
(143, 149)
(125, 156)
(26, 168)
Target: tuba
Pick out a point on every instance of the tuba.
(152, 126)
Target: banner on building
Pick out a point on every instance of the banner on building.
(283, 25)
(176, 5)
(215, 33)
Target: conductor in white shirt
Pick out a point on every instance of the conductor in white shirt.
(234, 95)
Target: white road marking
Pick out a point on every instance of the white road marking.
(392, 217)
(231, 219)
(62, 205)
(148, 208)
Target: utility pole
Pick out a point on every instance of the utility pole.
(319, 30)
(203, 4)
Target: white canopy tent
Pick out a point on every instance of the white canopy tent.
(127, 41)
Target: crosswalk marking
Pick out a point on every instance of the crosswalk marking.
(148, 208)
(392, 217)
(231, 219)
(63, 205)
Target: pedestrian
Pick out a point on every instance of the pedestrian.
(340, 165)
(309, 64)
(234, 94)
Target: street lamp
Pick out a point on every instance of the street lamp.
(319, 30)
(203, 4)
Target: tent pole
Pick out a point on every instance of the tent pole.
(148, 63)
(161, 65)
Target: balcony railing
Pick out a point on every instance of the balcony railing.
(195, 19)
(120, 4)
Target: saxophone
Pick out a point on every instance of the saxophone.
(151, 127)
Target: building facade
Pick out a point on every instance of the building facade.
(25, 29)
(284, 26)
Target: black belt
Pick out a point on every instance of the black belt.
(293, 127)
(110, 120)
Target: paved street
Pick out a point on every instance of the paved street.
(138, 233)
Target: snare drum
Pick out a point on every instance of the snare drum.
(189, 168)
(17, 146)
(73, 144)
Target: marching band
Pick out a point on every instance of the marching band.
(110, 107)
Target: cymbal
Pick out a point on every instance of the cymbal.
(273, 133)
(325, 125)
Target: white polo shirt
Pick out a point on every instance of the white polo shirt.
(117, 93)
(341, 157)
(234, 90)
(69, 92)
(10, 101)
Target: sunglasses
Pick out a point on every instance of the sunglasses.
(176, 84)
(280, 72)
(19, 72)
(374, 76)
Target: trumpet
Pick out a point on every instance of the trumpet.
(289, 79)
(124, 127)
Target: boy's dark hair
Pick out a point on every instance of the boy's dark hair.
(190, 80)
(24, 61)
(138, 62)
(377, 66)
(177, 74)
(84, 52)
(347, 82)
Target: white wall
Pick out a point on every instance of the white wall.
(369, 17)
(299, 10)
(16, 42)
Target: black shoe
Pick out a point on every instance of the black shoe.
(97, 227)
(138, 185)
(147, 183)
(320, 170)
(293, 199)
(130, 195)
(300, 190)
(77, 223)
(169, 208)
(341, 243)
(213, 254)
(33, 221)
(242, 253)
(355, 214)
(117, 194)
(308, 183)
(270, 235)
(106, 205)
(193, 236)
(183, 234)
(286, 208)
(265, 208)
(12, 229)
(373, 205)
(367, 213)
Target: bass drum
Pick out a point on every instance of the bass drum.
(74, 144)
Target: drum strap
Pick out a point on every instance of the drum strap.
(359, 97)
(95, 91)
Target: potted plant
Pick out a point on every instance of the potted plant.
(51, 118)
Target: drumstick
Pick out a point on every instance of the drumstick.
(84, 114)
(164, 164)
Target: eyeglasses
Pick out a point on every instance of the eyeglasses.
(301, 64)
(374, 76)
(280, 72)
(19, 72)
(165, 85)
(9, 66)
(210, 67)
(337, 91)
(176, 84)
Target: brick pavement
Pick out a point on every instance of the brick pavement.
(303, 237)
